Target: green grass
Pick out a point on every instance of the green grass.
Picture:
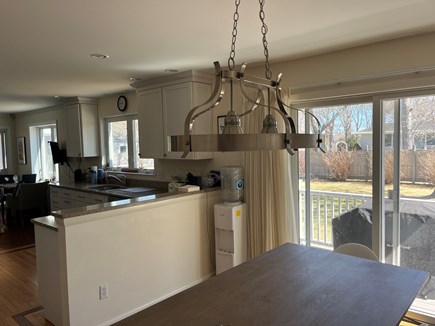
(362, 187)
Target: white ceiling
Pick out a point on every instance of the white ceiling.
(46, 44)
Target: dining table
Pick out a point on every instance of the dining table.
(293, 285)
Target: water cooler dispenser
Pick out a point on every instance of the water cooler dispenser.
(230, 221)
(230, 235)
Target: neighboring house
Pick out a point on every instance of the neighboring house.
(421, 137)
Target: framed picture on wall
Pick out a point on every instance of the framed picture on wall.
(21, 149)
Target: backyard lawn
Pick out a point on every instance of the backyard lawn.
(365, 188)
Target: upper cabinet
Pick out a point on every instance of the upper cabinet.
(82, 137)
(162, 108)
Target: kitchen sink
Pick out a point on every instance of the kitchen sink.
(105, 187)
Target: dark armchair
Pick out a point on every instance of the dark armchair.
(29, 199)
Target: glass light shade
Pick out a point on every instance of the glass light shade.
(270, 126)
(232, 124)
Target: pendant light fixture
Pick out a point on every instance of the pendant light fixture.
(233, 138)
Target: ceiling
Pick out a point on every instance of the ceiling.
(46, 44)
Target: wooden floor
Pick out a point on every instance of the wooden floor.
(17, 237)
(18, 283)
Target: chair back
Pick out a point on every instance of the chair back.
(6, 178)
(28, 178)
(357, 250)
(30, 196)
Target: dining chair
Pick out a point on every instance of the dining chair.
(28, 178)
(28, 200)
(357, 250)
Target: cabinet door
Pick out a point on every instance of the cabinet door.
(150, 118)
(82, 122)
(89, 130)
(73, 135)
(178, 100)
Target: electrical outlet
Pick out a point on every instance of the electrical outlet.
(104, 291)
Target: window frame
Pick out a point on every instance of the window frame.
(4, 139)
(133, 155)
(35, 149)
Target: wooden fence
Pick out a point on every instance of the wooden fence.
(411, 167)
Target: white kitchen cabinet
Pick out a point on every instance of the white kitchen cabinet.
(178, 100)
(82, 130)
(162, 108)
(61, 198)
(64, 198)
(150, 116)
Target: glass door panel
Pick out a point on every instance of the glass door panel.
(409, 201)
(335, 188)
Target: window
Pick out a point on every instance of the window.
(123, 144)
(3, 150)
(42, 161)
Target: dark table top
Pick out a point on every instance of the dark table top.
(293, 285)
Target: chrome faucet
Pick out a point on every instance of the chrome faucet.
(122, 180)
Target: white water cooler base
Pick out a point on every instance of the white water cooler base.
(230, 235)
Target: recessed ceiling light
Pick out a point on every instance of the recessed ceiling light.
(99, 56)
(134, 79)
(171, 70)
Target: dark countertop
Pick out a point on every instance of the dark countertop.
(125, 192)
(136, 198)
(46, 221)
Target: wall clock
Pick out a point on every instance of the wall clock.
(122, 103)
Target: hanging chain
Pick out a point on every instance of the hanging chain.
(262, 15)
(233, 41)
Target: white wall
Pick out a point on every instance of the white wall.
(363, 64)
(143, 253)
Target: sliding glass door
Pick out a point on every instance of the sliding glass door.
(409, 201)
(375, 183)
(335, 186)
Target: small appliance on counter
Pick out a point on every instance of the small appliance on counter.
(213, 179)
(193, 180)
(93, 175)
(78, 175)
(174, 184)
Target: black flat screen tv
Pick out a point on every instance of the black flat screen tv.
(59, 155)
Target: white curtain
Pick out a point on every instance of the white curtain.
(271, 215)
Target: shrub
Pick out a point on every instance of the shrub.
(427, 161)
(389, 167)
(339, 164)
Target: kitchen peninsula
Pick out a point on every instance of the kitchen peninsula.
(101, 263)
